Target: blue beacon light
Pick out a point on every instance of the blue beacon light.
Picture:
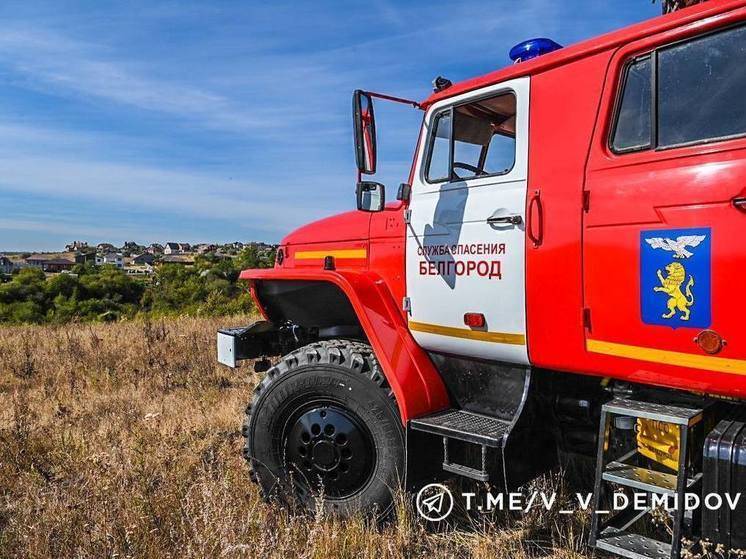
(532, 48)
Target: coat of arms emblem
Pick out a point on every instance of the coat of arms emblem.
(675, 277)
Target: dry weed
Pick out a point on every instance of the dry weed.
(122, 440)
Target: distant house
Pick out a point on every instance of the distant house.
(113, 258)
(76, 246)
(58, 265)
(183, 259)
(144, 258)
(176, 248)
(204, 248)
(139, 270)
(36, 260)
(51, 263)
(232, 248)
(155, 248)
(85, 257)
(131, 247)
(6, 265)
(103, 248)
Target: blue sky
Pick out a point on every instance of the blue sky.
(215, 121)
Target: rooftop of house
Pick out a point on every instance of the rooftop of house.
(177, 259)
(45, 257)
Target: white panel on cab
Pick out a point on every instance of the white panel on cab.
(466, 232)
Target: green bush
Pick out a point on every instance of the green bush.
(104, 293)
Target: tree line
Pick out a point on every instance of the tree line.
(105, 293)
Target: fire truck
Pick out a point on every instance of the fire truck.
(563, 275)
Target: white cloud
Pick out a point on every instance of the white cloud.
(50, 62)
(153, 189)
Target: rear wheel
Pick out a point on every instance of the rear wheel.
(324, 422)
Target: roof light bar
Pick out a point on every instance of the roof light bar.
(532, 48)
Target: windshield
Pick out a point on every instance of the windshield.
(476, 139)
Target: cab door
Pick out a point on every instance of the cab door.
(664, 257)
(466, 226)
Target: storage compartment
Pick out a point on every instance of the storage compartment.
(725, 473)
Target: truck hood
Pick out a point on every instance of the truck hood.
(348, 226)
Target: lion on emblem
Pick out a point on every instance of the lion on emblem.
(671, 286)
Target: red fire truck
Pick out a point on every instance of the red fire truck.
(562, 275)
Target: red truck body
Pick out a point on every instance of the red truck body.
(562, 277)
(582, 282)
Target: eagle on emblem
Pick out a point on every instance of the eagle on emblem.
(678, 247)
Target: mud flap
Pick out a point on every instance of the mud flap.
(424, 460)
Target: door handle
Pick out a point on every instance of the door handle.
(535, 237)
(507, 219)
(740, 203)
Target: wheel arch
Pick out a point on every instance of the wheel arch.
(346, 300)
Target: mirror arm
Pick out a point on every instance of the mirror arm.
(415, 104)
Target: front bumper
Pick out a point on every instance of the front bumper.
(256, 340)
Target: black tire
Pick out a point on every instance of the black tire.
(324, 421)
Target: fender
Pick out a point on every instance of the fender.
(416, 383)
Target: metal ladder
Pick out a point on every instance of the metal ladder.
(614, 535)
(469, 427)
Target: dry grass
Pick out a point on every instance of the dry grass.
(123, 441)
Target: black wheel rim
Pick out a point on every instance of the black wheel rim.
(329, 449)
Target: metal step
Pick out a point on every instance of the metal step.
(624, 520)
(464, 426)
(466, 471)
(632, 546)
(657, 412)
(644, 479)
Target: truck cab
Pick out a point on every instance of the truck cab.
(559, 276)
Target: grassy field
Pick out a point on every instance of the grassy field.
(123, 440)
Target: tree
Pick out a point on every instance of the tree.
(103, 293)
(252, 257)
(206, 289)
(673, 5)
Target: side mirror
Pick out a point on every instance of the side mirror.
(365, 132)
(371, 196)
(405, 192)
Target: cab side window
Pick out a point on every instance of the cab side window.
(687, 93)
(473, 140)
(633, 128)
(440, 145)
(701, 86)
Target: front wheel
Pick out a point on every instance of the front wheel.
(324, 423)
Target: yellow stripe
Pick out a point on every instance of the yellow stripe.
(318, 254)
(704, 362)
(494, 337)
